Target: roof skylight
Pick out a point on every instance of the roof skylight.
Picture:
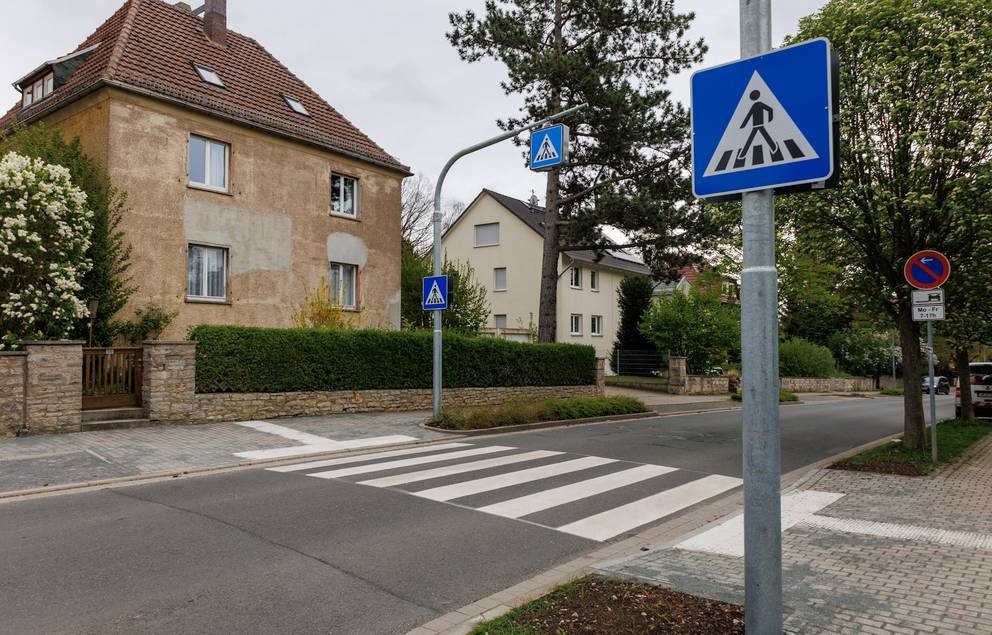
(296, 105)
(208, 75)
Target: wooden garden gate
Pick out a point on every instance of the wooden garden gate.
(111, 377)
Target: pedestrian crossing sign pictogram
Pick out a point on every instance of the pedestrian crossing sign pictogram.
(435, 293)
(548, 147)
(764, 122)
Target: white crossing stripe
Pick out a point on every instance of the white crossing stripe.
(286, 433)
(547, 499)
(460, 468)
(610, 523)
(490, 483)
(322, 448)
(392, 465)
(299, 467)
(727, 538)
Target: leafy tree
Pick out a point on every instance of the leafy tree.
(916, 123)
(149, 323)
(468, 308)
(45, 227)
(814, 306)
(634, 299)
(697, 326)
(862, 352)
(630, 146)
(108, 255)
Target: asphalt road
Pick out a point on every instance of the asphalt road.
(265, 551)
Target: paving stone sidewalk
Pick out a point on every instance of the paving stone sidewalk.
(892, 555)
(47, 461)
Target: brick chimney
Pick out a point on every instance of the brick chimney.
(215, 21)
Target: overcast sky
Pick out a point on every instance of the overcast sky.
(384, 64)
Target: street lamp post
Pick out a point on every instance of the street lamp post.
(437, 231)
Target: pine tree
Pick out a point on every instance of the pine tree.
(629, 147)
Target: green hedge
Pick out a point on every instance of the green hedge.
(516, 413)
(799, 358)
(244, 359)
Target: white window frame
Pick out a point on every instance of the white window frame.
(354, 285)
(209, 75)
(575, 273)
(571, 324)
(496, 287)
(478, 244)
(27, 95)
(593, 280)
(296, 105)
(358, 198)
(203, 274)
(49, 84)
(594, 321)
(207, 142)
(496, 317)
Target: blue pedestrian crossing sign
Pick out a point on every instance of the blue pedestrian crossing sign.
(764, 122)
(548, 147)
(435, 293)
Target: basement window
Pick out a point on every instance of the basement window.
(296, 105)
(208, 75)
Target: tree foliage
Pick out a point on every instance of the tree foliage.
(862, 352)
(45, 228)
(916, 148)
(697, 326)
(634, 299)
(630, 146)
(106, 279)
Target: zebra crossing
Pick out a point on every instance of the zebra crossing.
(592, 497)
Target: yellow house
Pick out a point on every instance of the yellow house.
(244, 186)
(502, 238)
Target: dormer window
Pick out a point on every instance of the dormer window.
(208, 75)
(296, 105)
(41, 88)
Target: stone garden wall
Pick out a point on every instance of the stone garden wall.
(837, 384)
(12, 368)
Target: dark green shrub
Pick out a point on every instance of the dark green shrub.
(245, 359)
(799, 358)
(784, 396)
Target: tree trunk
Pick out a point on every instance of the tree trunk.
(547, 325)
(909, 339)
(547, 322)
(961, 360)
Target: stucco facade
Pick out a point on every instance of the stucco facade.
(519, 252)
(274, 221)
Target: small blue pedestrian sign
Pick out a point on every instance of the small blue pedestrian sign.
(435, 293)
(764, 122)
(548, 147)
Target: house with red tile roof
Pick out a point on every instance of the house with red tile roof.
(244, 186)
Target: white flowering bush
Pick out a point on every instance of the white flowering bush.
(45, 228)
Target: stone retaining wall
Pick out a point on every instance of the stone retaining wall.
(53, 387)
(242, 406)
(836, 384)
(701, 385)
(12, 368)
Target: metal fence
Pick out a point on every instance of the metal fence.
(647, 363)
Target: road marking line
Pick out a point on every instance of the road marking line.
(608, 524)
(461, 468)
(328, 446)
(392, 465)
(727, 538)
(365, 457)
(286, 433)
(547, 499)
(500, 481)
(902, 532)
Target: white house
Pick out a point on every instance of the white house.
(503, 239)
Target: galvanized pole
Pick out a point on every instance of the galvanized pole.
(759, 331)
(437, 232)
(933, 395)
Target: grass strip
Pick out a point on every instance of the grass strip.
(784, 396)
(519, 412)
(954, 437)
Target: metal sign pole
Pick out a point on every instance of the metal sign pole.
(759, 330)
(933, 396)
(437, 232)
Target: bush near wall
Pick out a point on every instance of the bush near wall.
(799, 358)
(245, 359)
